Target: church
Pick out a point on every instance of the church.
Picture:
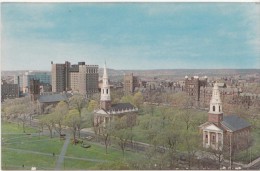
(224, 130)
(108, 111)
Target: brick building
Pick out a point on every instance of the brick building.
(220, 130)
(193, 87)
(77, 78)
(130, 83)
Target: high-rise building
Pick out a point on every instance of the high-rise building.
(34, 89)
(130, 82)
(77, 78)
(60, 77)
(43, 77)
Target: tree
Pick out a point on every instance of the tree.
(127, 99)
(47, 120)
(191, 143)
(21, 108)
(72, 120)
(78, 102)
(218, 154)
(92, 105)
(122, 132)
(60, 112)
(138, 99)
(106, 132)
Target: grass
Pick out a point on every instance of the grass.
(8, 127)
(18, 148)
(13, 160)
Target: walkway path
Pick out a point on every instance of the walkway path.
(62, 154)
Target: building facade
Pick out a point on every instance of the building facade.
(43, 77)
(79, 78)
(9, 91)
(130, 83)
(34, 89)
(193, 87)
(220, 131)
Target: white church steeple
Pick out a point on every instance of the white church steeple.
(105, 99)
(215, 111)
(215, 102)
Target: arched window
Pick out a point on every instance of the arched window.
(107, 91)
(219, 109)
(213, 108)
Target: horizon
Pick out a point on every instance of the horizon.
(145, 69)
(131, 36)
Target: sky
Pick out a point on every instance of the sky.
(131, 35)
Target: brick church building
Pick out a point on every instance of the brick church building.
(220, 130)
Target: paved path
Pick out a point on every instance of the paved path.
(62, 154)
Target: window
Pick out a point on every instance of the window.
(219, 109)
(107, 91)
(213, 108)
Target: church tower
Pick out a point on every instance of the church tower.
(105, 100)
(215, 114)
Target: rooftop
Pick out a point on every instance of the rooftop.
(234, 122)
(52, 98)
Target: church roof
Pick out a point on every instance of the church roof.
(121, 106)
(52, 98)
(234, 122)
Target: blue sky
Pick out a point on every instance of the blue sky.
(131, 35)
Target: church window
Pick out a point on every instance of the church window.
(213, 108)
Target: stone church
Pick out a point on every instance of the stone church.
(221, 130)
(109, 111)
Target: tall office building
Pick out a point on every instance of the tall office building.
(43, 77)
(77, 78)
(60, 77)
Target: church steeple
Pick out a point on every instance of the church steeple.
(105, 100)
(215, 111)
(215, 102)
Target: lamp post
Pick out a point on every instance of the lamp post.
(230, 155)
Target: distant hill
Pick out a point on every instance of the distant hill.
(165, 73)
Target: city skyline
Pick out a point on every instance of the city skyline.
(131, 35)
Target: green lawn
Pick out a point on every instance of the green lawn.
(20, 149)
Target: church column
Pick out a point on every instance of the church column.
(208, 138)
(203, 139)
(217, 140)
